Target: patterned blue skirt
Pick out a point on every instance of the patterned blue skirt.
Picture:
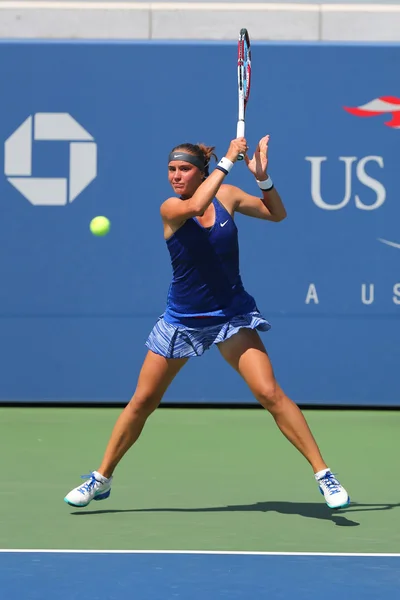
(178, 341)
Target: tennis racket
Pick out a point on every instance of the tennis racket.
(244, 80)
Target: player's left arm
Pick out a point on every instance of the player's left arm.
(270, 206)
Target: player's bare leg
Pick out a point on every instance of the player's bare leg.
(246, 353)
(156, 375)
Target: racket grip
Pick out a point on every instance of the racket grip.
(240, 133)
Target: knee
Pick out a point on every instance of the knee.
(142, 405)
(270, 396)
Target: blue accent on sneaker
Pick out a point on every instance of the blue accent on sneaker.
(102, 496)
(331, 483)
(87, 486)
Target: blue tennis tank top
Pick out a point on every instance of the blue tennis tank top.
(206, 278)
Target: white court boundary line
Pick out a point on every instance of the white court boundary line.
(200, 552)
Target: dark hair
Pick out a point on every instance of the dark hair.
(202, 152)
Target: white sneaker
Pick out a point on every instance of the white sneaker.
(96, 488)
(335, 495)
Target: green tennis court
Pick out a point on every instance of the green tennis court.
(199, 479)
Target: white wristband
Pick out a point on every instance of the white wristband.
(266, 185)
(225, 165)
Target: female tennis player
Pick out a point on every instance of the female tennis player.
(207, 305)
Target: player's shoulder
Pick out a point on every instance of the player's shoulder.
(168, 202)
(228, 190)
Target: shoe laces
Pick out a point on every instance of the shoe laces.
(330, 482)
(88, 485)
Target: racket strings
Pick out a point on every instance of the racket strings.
(244, 64)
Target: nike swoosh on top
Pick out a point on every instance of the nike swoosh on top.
(388, 243)
(223, 224)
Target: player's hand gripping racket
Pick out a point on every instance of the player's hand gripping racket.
(244, 80)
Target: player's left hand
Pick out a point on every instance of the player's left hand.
(259, 163)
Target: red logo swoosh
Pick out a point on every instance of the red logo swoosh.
(379, 106)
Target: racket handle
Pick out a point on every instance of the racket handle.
(240, 133)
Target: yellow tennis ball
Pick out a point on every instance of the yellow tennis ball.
(100, 226)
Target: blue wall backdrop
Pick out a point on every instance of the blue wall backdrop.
(75, 310)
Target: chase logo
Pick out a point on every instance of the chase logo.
(50, 191)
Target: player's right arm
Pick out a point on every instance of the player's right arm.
(175, 210)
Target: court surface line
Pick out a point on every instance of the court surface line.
(212, 552)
